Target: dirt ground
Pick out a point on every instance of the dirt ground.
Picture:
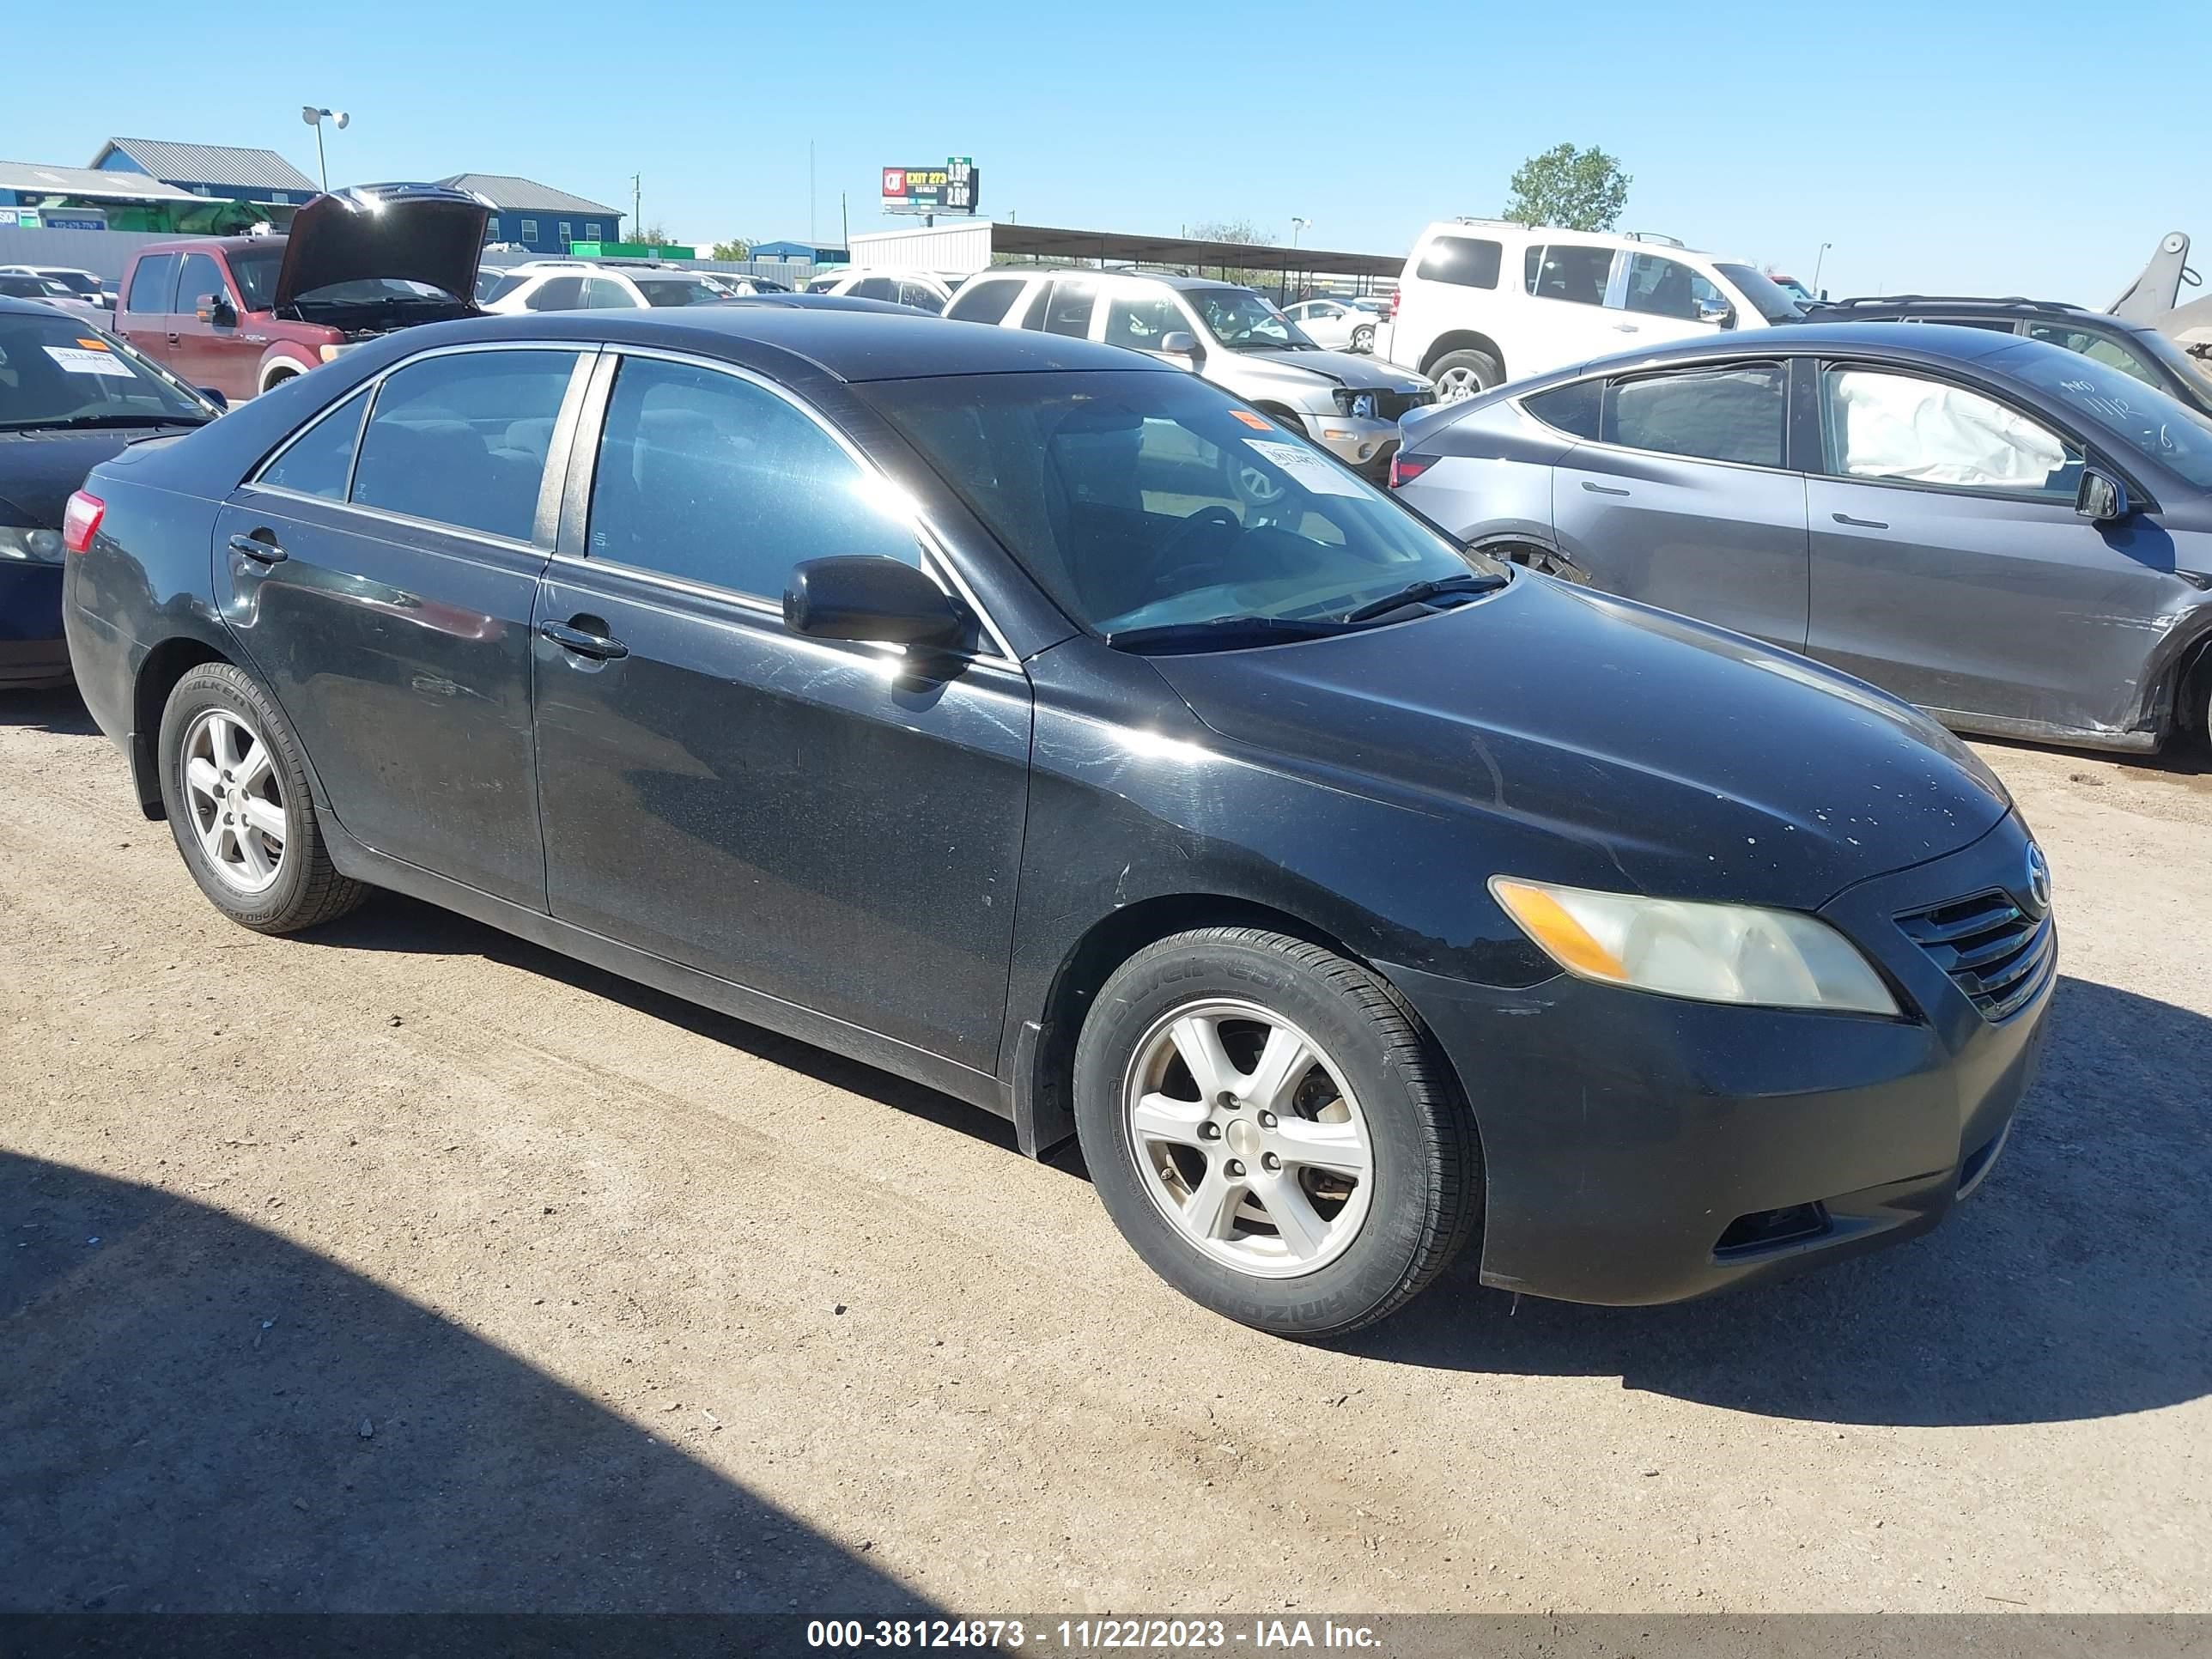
(407, 1267)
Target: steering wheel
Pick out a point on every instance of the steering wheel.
(1207, 518)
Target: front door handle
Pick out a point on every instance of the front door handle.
(1625, 328)
(1861, 524)
(598, 647)
(1602, 489)
(260, 551)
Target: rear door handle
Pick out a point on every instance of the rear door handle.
(260, 551)
(598, 647)
(1862, 523)
(1602, 489)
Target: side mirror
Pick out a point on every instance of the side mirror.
(2102, 498)
(1181, 342)
(871, 597)
(1719, 313)
(213, 395)
(214, 308)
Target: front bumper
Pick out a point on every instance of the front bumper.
(1364, 445)
(1644, 1149)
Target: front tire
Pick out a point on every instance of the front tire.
(1363, 338)
(234, 790)
(1270, 1132)
(1462, 374)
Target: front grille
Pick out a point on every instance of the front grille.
(1994, 952)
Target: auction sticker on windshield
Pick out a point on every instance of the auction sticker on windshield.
(1307, 470)
(99, 361)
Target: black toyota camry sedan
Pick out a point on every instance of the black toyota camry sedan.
(1038, 721)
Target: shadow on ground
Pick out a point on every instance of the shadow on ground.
(2077, 1283)
(393, 922)
(59, 710)
(181, 1412)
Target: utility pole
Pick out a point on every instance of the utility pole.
(844, 222)
(636, 200)
(812, 240)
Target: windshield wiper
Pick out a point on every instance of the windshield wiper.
(1222, 633)
(86, 422)
(1415, 592)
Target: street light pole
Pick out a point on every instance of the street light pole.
(315, 117)
(1817, 260)
(1297, 225)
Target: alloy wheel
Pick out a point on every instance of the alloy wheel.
(236, 799)
(1455, 384)
(1248, 1139)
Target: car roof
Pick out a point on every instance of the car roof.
(852, 342)
(11, 307)
(203, 244)
(1922, 341)
(1878, 308)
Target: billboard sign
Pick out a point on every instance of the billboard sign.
(952, 187)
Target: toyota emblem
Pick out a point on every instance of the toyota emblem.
(2038, 880)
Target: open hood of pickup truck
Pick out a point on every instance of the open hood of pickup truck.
(428, 233)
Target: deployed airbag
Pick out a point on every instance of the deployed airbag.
(1895, 426)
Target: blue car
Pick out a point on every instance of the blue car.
(70, 398)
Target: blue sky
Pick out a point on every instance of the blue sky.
(1962, 146)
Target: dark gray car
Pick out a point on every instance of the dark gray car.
(2013, 536)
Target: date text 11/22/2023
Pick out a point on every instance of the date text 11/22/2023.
(1260, 1635)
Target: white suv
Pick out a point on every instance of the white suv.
(1483, 300)
(577, 285)
(920, 290)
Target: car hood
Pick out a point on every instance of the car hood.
(38, 470)
(406, 233)
(1693, 762)
(1367, 373)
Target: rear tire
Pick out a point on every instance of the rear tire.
(1462, 374)
(1312, 1170)
(234, 790)
(1363, 338)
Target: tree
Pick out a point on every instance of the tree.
(1572, 189)
(1245, 234)
(653, 236)
(735, 248)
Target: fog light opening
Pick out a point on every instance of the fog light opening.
(1762, 1230)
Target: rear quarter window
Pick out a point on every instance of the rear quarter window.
(1572, 408)
(984, 303)
(1462, 261)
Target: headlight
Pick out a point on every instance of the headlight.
(30, 546)
(1712, 952)
(1358, 404)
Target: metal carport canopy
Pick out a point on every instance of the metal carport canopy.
(1044, 242)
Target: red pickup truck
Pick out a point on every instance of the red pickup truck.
(239, 314)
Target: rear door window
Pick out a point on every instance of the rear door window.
(1462, 261)
(557, 294)
(1734, 414)
(711, 479)
(985, 301)
(875, 288)
(454, 439)
(920, 297)
(1567, 271)
(604, 294)
(1069, 313)
(152, 283)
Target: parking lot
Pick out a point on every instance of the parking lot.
(405, 1266)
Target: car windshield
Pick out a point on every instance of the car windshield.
(1242, 321)
(77, 281)
(1143, 501)
(2144, 419)
(1766, 296)
(59, 373)
(678, 291)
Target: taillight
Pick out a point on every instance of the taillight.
(81, 520)
(1404, 468)
(1394, 305)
